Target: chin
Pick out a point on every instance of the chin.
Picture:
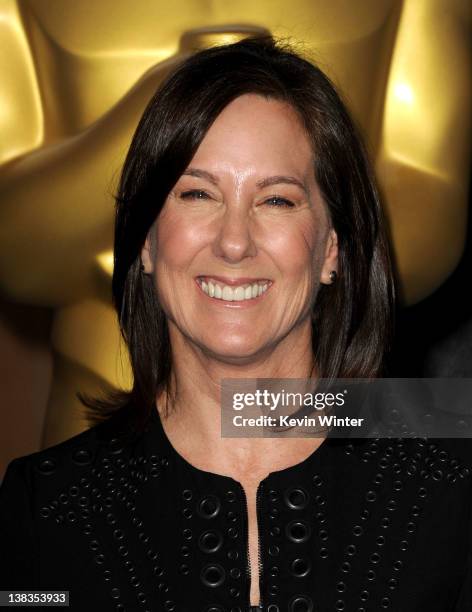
(232, 349)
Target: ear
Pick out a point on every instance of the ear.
(147, 259)
(331, 257)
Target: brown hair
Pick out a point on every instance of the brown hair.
(353, 319)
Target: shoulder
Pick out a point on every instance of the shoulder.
(453, 453)
(451, 457)
(448, 459)
(59, 463)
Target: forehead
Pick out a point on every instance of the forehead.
(264, 133)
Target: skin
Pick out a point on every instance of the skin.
(228, 225)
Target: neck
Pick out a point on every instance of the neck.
(193, 421)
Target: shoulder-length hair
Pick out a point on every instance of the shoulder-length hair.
(353, 319)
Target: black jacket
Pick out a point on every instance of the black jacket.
(129, 524)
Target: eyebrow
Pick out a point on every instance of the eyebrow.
(201, 174)
(265, 182)
(280, 178)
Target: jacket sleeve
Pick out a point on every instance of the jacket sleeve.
(464, 601)
(17, 536)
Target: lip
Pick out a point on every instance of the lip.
(234, 304)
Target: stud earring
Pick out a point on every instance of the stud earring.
(333, 275)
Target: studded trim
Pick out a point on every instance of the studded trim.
(341, 531)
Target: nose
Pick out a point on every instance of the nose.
(234, 240)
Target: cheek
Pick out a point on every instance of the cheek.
(177, 241)
(295, 246)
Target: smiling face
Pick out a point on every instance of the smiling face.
(243, 239)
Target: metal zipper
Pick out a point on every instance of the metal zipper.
(246, 528)
(259, 530)
(248, 563)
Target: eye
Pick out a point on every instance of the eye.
(194, 194)
(277, 201)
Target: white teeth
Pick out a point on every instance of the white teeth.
(238, 294)
(233, 294)
(227, 293)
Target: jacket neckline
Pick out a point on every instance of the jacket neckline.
(315, 458)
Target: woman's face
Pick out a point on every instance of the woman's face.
(243, 240)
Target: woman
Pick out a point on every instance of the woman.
(249, 243)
